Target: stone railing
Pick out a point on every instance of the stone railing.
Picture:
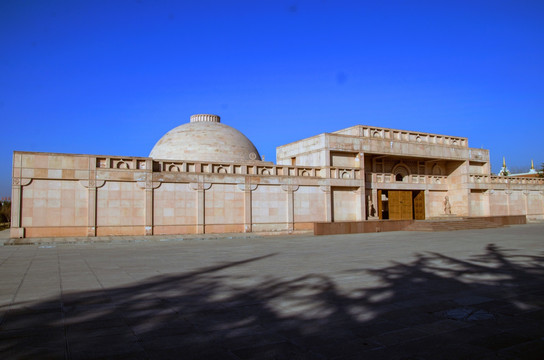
(126, 163)
(403, 135)
(408, 179)
(488, 179)
(228, 168)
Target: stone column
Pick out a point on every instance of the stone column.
(328, 202)
(508, 193)
(526, 193)
(17, 184)
(487, 204)
(365, 211)
(92, 185)
(247, 188)
(200, 187)
(290, 189)
(361, 204)
(427, 204)
(149, 185)
(91, 209)
(542, 202)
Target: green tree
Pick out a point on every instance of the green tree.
(5, 212)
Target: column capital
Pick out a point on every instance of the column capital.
(16, 181)
(289, 187)
(325, 188)
(92, 183)
(200, 186)
(149, 184)
(247, 187)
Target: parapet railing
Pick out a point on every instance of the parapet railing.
(409, 179)
(489, 179)
(228, 168)
(403, 135)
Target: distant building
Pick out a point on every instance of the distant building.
(532, 173)
(207, 177)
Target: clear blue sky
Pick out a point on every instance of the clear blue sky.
(111, 77)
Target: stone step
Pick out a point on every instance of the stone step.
(451, 225)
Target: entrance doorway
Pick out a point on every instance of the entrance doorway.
(401, 204)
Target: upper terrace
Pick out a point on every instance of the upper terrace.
(403, 135)
(382, 141)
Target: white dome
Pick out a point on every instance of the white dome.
(205, 139)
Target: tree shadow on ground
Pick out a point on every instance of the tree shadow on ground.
(490, 306)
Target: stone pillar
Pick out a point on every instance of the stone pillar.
(149, 185)
(290, 189)
(365, 210)
(542, 202)
(428, 204)
(361, 204)
(91, 209)
(526, 193)
(328, 202)
(92, 185)
(17, 231)
(200, 187)
(508, 193)
(247, 188)
(149, 210)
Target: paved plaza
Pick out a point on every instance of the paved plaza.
(470, 294)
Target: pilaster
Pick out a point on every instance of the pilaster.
(290, 189)
(17, 184)
(328, 202)
(200, 188)
(92, 185)
(508, 193)
(247, 188)
(361, 204)
(149, 185)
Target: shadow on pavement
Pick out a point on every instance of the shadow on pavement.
(434, 307)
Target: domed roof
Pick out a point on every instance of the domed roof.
(205, 139)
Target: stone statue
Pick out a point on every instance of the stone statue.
(371, 210)
(447, 206)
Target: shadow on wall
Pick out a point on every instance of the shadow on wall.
(433, 307)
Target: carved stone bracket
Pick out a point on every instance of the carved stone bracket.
(148, 184)
(92, 184)
(247, 187)
(200, 186)
(289, 187)
(325, 188)
(20, 181)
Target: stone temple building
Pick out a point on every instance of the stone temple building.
(207, 177)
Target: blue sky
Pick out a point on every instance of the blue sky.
(111, 77)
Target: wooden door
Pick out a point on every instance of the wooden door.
(394, 205)
(419, 206)
(406, 205)
(380, 205)
(400, 205)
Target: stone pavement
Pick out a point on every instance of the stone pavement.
(470, 294)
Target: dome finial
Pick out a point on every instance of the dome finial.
(205, 117)
(532, 170)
